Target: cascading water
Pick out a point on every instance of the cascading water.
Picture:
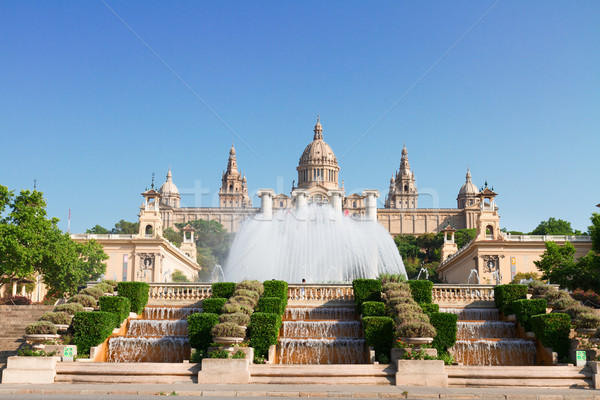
(160, 336)
(484, 340)
(321, 335)
(315, 243)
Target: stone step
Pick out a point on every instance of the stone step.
(139, 379)
(526, 376)
(323, 374)
(323, 380)
(523, 382)
(84, 372)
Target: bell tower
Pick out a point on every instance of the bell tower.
(151, 225)
(403, 189)
(189, 245)
(488, 223)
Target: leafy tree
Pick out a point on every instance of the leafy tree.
(174, 237)
(178, 276)
(98, 230)
(31, 243)
(431, 244)
(464, 236)
(407, 246)
(554, 227)
(126, 228)
(594, 232)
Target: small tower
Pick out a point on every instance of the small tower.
(449, 246)
(234, 189)
(467, 195)
(403, 189)
(169, 194)
(151, 225)
(488, 223)
(189, 244)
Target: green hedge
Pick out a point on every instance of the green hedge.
(527, 308)
(223, 290)
(421, 291)
(504, 295)
(213, 305)
(379, 333)
(91, 329)
(120, 306)
(366, 290)
(373, 309)
(445, 326)
(279, 289)
(199, 326)
(264, 330)
(136, 292)
(553, 331)
(429, 308)
(270, 305)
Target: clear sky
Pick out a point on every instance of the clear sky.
(98, 95)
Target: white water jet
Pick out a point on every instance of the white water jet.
(322, 351)
(316, 243)
(473, 314)
(485, 329)
(321, 329)
(491, 352)
(170, 312)
(475, 274)
(304, 313)
(165, 327)
(172, 349)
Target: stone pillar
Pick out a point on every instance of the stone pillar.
(301, 198)
(371, 204)
(336, 197)
(266, 203)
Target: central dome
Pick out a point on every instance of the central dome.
(318, 165)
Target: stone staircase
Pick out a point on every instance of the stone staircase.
(519, 376)
(14, 320)
(100, 372)
(349, 374)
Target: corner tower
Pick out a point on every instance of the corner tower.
(234, 188)
(403, 189)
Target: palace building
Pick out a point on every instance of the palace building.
(318, 178)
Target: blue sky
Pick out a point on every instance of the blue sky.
(509, 89)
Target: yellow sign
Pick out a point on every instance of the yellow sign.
(513, 261)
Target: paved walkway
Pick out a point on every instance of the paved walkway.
(332, 391)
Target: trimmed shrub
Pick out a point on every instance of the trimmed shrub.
(222, 290)
(445, 326)
(575, 310)
(394, 301)
(391, 278)
(504, 295)
(379, 333)
(243, 300)
(105, 287)
(279, 289)
(553, 331)
(214, 305)
(554, 295)
(524, 309)
(84, 299)
(395, 286)
(429, 308)
(230, 308)
(247, 293)
(69, 308)
(411, 317)
(373, 309)
(41, 328)
(588, 320)
(421, 291)
(564, 303)
(542, 290)
(270, 305)
(264, 330)
(248, 310)
(413, 329)
(111, 282)
(92, 328)
(199, 327)
(58, 317)
(119, 306)
(227, 329)
(366, 290)
(406, 308)
(136, 292)
(237, 318)
(254, 286)
(15, 301)
(390, 294)
(93, 291)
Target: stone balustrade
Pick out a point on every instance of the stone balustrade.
(442, 293)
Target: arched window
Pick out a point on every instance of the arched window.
(354, 204)
(489, 232)
(281, 204)
(406, 188)
(148, 229)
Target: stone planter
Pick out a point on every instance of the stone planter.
(30, 370)
(38, 340)
(397, 353)
(88, 308)
(227, 340)
(421, 373)
(248, 351)
(417, 341)
(222, 370)
(586, 331)
(61, 327)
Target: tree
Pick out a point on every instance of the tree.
(178, 276)
(174, 237)
(594, 232)
(211, 236)
(431, 244)
(98, 230)
(464, 236)
(31, 243)
(554, 227)
(557, 264)
(126, 228)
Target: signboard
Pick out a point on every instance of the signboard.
(125, 260)
(69, 352)
(513, 267)
(581, 356)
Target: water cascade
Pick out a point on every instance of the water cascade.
(159, 336)
(484, 340)
(314, 242)
(322, 335)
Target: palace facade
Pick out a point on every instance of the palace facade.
(318, 177)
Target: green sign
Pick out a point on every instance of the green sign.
(68, 352)
(581, 355)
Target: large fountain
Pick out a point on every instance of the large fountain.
(318, 243)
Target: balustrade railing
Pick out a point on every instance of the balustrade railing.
(442, 293)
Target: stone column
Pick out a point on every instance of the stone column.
(336, 199)
(266, 203)
(371, 204)
(301, 197)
